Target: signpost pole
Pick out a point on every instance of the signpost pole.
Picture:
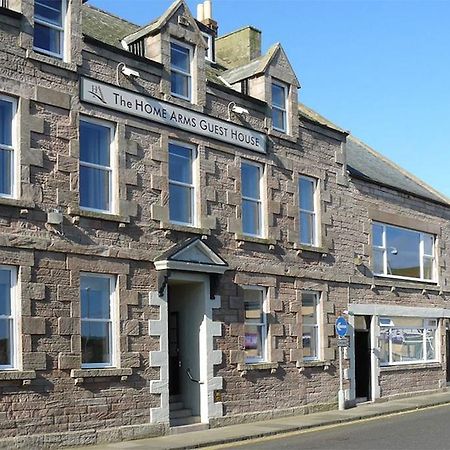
(341, 398)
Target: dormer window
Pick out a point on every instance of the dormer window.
(180, 70)
(210, 50)
(279, 101)
(49, 18)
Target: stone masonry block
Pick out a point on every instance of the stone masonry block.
(237, 357)
(34, 361)
(67, 164)
(52, 97)
(209, 222)
(36, 291)
(158, 154)
(99, 265)
(33, 325)
(68, 325)
(295, 354)
(128, 208)
(69, 361)
(131, 148)
(129, 297)
(32, 157)
(276, 329)
(36, 124)
(131, 327)
(234, 225)
(158, 182)
(160, 213)
(236, 329)
(277, 355)
(329, 354)
(67, 293)
(233, 198)
(236, 303)
(130, 177)
(130, 359)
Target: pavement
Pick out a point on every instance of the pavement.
(279, 426)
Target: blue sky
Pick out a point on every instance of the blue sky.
(379, 68)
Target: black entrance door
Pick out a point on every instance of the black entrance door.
(174, 354)
(362, 364)
(448, 356)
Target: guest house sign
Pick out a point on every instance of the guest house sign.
(125, 101)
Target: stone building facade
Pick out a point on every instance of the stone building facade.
(178, 235)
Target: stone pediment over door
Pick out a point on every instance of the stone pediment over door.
(192, 255)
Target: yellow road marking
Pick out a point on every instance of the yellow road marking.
(318, 428)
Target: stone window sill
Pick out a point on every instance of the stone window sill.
(78, 212)
(413, 366)
(81, 374)
(258, 366)
(282, 134)
(53, 61)
(254, 239)
(16, 202)
(313, 363)
(184, 228)
(22, 375)
(301, 248)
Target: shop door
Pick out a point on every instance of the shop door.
(362, 365)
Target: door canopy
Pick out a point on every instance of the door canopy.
(192, 255)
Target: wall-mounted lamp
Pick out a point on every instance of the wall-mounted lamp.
(238, 110)
(127, 71)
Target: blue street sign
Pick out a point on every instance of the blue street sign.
(341, 326)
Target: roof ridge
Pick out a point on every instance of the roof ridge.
(96, 8)
(402, 170)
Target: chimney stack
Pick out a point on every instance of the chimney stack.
(204, 15)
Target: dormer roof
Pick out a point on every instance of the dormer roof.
(155, 27)
(258, 66)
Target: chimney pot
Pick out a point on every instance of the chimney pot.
(200, 12)
(207, 9)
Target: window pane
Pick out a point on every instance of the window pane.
(253, 300)
(46, 38)
(5, 292)
(94, 188)
(309, 302)
(95, 297)
(377, 235)
(306, 188)
(428, 268)
(253, 341)
(180, 203)
(251, 217)
(180, 164)
(384, 345)
(95, 342)
(5, 172)
(428, 244)
(49, 10)
(378, 263)
(6, 117)
(5, 342)
(403, 252)
(278, 96)
(95, 142)
(180, 84)
(250, 180)
(278, 118)
(407, 345)
(431, 344)
(307, 228)
(179, 57)
(309, 341)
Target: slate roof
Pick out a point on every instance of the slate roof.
(363, 162)
(106, 27)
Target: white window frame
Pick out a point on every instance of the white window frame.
(317, 326)
(60, 29)
(113, 320)
(264, 333)
(422, 255)
(259, 201)
(284, 110)
(426, 326)
(112, 168)
(13, 148)
(14, 319)
(191, 186)
(209, 51)
(179, 71)
(313, 213)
